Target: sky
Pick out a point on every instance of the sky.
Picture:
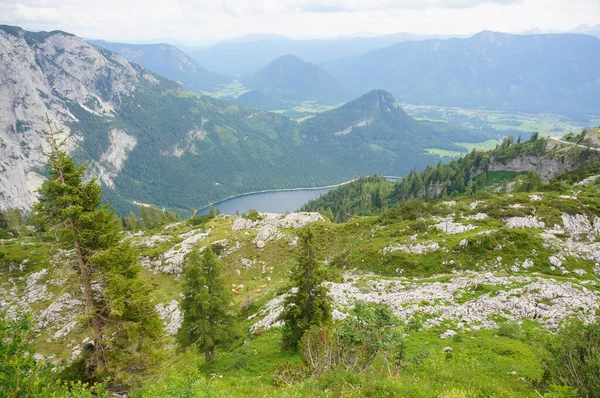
(205, 21)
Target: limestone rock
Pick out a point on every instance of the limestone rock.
(524, 222)
(447, 334)
(171, 316)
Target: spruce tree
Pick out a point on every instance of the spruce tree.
(309, 305)
(126, 328)
(208, 319)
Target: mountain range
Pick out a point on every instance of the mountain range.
(534, 73)
(247, 55)
(289, 80)
(148, 140)
(168, 61)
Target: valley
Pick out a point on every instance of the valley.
(189, 208)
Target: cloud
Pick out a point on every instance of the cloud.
(379, 5)
(204, 21)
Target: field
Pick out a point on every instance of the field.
(503, 122)
(230, 91)
(444, 152)
(480, 146)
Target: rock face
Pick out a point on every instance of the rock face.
(171, 316)
(112, 161)
(61, 69)
(524, 222)
(516, 298)
(267, 225)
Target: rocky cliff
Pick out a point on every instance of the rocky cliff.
(43, 74)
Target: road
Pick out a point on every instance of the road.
(574, 144)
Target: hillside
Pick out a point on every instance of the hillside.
(474, 287)
(137, 130)
(168, 61)
(288, 80)
(490, 69)
(511, 166)
(376, 117)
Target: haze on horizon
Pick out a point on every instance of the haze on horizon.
(208, 21)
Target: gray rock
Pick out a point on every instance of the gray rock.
(447, 334)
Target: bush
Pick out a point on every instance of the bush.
(21, 375)
(511, 330)
(368, 333)
(574, 359)
(286, 374)
(200, 220)
(253, 215)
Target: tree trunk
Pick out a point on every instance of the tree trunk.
(209, 354)
(309, 292)
(86, 282)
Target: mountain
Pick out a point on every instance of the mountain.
(168, 61)
(536, 73)
(249, 54)
(288, 79)
(376, 117)
(593, 30)
(150, 141)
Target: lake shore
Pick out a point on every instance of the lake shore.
(283, 190)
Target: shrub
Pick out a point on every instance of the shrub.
(368, 333)
(200, 220)
(286, 374)
(252, 215)
(511, 330)
(574, 359)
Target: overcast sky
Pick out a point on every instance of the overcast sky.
(209, 20)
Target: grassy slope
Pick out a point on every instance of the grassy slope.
(481, 363)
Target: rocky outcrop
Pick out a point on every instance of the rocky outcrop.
(171, 316)
(515, 298)
(361, 123)
(42, 74)
(171, 262)
(266, 226)
(524, 222)
(448, 226)
(112, 160)
(417, 248)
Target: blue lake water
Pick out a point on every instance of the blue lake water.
(282, 201)
(268, 202)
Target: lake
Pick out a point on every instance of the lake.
(268, 202)
(277, 201)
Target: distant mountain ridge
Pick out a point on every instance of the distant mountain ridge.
(168, 61)
(150, 141)
(288, 79)
(537, 73)
(248, 54)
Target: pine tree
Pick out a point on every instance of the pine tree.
(125, 326)
(131, 222)
(207, 304)
(151, 216)
(309, 305)
(470, 188)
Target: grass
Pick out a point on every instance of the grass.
(481, 364)
(312, 107)
(231, 90)
(479, 146)
(503, 122)
(444, 152)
